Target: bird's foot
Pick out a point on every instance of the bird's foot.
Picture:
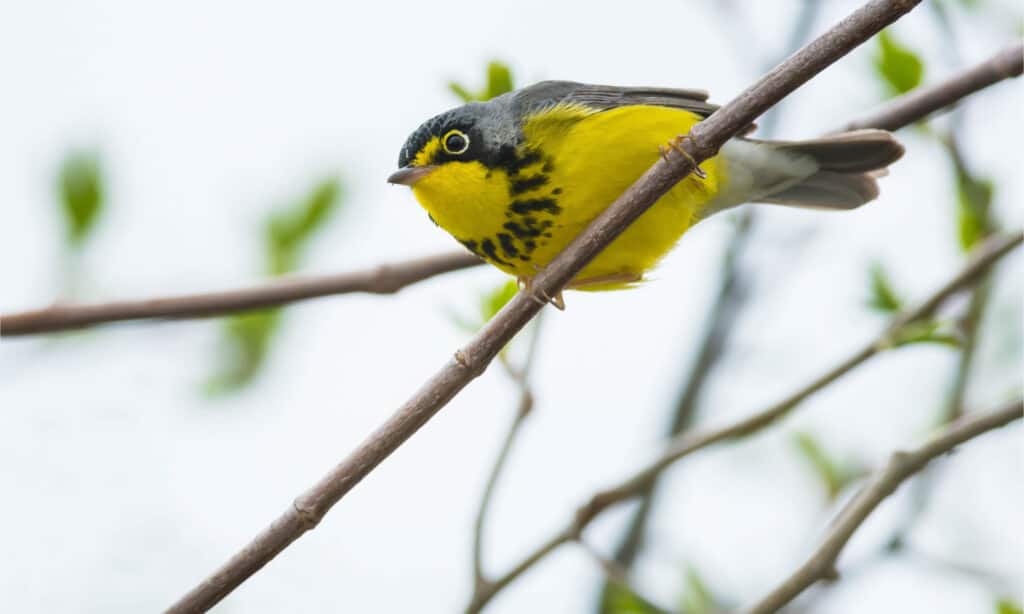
(676, 144)
(540, 297)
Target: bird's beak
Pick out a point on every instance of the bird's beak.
(409, 175)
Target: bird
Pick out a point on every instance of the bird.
(516, 178)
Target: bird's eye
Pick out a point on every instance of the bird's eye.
(455, 142)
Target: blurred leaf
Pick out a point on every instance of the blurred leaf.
(499, 81)
(245, 341)
(697, 599)
(1007, 605)
(466, 325)
(898, 66)
(247, 337)
(289, 230)
(928, 331)
(974, 196)
(883, 296)
(81, 194)
(832, 475)
(460, 91)
(492, 302)
(618, 599)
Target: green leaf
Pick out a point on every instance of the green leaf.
(899, 67)
(244, 346)
(499, 81)
(928, 331)
(697, 599)
(460, 91)
(834, 477)
(1007, 605)
(617, 599)
(492, 302)
(883, 297)
(246, 338)
(974, 197)
(80, 185)
(289, 230)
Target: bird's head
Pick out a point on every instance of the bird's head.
(456, 151)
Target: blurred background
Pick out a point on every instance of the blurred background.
(155, 149)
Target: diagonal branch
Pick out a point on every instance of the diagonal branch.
(924, 101)
(702, 143)
(685, 444)
(901, 466)
(382, 279)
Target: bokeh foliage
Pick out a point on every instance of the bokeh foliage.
(498, 82)
(246, 338)
(81, 192)
(900, 69)
(834, 474)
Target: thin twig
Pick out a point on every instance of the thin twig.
(685, 444)
(701, 143)
(521, 376)
(924, 101)
(381, 279)
(901, 466)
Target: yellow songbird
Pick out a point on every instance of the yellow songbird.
(516, 178)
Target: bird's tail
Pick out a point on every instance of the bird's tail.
(835, 172)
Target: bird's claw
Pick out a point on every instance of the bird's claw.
(540, 297)
(676, 144)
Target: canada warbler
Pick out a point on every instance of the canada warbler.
(516, 178)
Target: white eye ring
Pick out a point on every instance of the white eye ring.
(452, 151)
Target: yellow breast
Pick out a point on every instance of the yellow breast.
(574, 163)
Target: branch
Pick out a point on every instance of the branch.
(701, 143)
(382, 279)
(685, 444)
(924, 101)
(901, 466)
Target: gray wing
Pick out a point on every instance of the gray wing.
(604, 97)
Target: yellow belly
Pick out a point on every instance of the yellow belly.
(525, 216)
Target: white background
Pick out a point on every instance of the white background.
(123, 485)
